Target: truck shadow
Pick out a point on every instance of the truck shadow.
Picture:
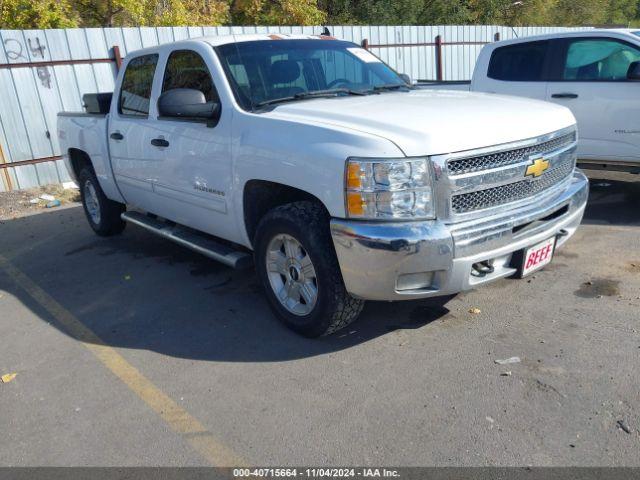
(614, 199)
(137, 291)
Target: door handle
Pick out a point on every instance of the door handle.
(159, 142)
(564, 95)
(117, 136)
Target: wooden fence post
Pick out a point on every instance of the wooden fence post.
(439, 76)
(6, 178)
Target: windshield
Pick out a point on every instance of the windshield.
(262, 72)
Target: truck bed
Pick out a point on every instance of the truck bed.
(87, 132)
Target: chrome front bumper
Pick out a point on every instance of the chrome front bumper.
(410, 260)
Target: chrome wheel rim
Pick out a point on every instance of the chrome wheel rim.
(292, 275)
(91, 202)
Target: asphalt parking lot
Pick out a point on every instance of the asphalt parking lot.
(134, 351)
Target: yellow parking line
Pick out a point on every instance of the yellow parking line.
(178, 419)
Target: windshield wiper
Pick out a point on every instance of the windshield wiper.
(311, 94)
(391, 86)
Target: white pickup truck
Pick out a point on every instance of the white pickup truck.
(595, 73)
(314, 160)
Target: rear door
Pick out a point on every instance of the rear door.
(591, 80)
(518, 69)
(128, 134)
(193, 164)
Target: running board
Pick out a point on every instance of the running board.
(192, 239)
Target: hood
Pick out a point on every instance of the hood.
(433, 122)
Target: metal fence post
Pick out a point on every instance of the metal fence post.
(496, 37)
(365, 44)
(117, 57)
(438, 45)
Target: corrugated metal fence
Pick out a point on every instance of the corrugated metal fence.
(45, 71)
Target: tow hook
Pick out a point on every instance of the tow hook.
(482, 269)
(562, 233)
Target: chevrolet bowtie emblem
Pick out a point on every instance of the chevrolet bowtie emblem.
(537, 168)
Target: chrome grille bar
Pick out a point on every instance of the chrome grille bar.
(509, 157)
(511, 192)
(504, 175)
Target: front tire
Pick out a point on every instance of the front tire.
(296, 262)
(103, 214)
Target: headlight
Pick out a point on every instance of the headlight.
(387, 189)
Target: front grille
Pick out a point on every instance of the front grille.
(509, 157)
(511, 192)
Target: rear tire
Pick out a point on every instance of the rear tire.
(103, 214)
(297, 265)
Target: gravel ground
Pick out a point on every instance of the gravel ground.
(17, 203)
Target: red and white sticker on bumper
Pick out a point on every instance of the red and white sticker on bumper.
(538, 256)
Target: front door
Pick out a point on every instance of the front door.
(193, 157)
(592, 81)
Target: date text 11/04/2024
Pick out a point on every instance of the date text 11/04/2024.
(316, 472)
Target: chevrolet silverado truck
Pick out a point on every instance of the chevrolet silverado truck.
(313, 160)
(595, 73)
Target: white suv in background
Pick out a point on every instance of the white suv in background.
(595, 73)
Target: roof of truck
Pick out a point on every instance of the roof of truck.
(571, 33)
(252, 37)
(217, 40)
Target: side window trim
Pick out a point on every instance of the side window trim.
(208, 123)
(555, 59)
(563, 52)
(154, 75)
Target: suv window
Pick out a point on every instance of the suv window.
(598, 59)
(136, 86)
(186, 69)
(522, 62)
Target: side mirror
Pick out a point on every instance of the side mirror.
(406, 78)
(633, 73)
(186, 103)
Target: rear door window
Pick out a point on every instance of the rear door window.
(522, 62)
(135, 91)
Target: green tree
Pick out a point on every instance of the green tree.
(585, 12)
(110, 13)
(276, 12)
(187, 13)
(21, 14)
(622, 12)
(443, 12)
